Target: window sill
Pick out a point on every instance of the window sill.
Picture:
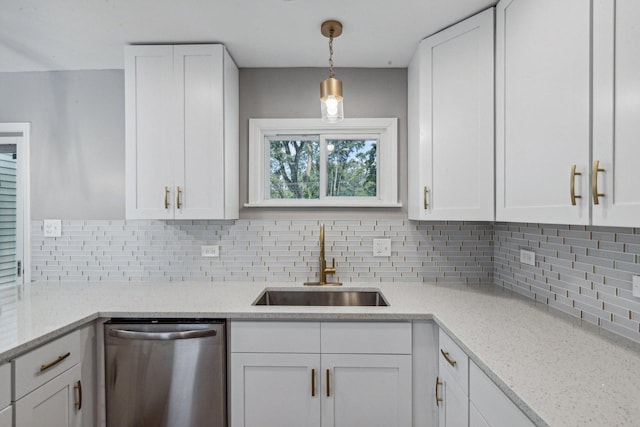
(323, 204)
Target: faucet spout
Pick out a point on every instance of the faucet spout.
(324, 270)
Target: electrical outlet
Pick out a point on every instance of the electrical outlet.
(381, 247)
(636, 286)
(210, 251)
(52, 227)
(527, 257)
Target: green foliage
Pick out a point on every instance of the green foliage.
(295, 169)
(352, 169)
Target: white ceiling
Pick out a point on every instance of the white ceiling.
(37, 35)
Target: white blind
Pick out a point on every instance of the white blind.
(7, 218)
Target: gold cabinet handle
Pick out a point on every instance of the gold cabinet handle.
(60, 358)
(446, 356)
(594, 182)
(313, 383)
(78, 387)
(438, 398)
(426, 190)
(178, 197)
(328, 384)
(572, 185)
(166, 197)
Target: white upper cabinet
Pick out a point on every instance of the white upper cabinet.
(616, 113)
(450, 123)
(542, 110)
(181, 132)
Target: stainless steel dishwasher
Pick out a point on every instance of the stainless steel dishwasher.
(165, 373)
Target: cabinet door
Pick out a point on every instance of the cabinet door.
(275, 390)
(55, 404)
(6, 417)
(542, 110)
(199, 166)
(616, 128)
(451, 116)
(366, 390)
(491, 403)
(150, 132)
(475, 418)
(454, 407)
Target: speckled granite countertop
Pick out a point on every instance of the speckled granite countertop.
(559, 371)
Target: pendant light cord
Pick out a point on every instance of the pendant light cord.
(331, 73)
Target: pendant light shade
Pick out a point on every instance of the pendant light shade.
(331, 100)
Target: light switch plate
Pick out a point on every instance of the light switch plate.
(210, 251)
(527, 257)
(636, 286)
(381, 247)
(52, 227)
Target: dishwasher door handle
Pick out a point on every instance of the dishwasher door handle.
(162, 336)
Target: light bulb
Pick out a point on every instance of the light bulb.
(332, 106)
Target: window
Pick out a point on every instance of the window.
(308, 162)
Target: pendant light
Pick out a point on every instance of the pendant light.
(331, 88)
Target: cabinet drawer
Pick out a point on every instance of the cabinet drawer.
(5, 385)
(494, 406)
(454, 360)
(366, 337)
(45, 363)
(275, 337)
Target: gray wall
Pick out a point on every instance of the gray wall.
(77, 140)
(77, 143)
(294, 93)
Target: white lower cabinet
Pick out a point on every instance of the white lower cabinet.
(452, 384)
(280, 378)
(492, 405)
(57, 403)
(6, 410)
(454, 406)
(54, 383)
(475, 418)
(366, 390)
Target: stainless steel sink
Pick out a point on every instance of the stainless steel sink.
(328, 297)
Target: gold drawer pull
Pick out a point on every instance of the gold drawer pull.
(166, 197)
(313, 383)
(328, 384)
(438, 398)
(426, 190)
(178, 198)
(594, 182)
(446, 356)
(78, 387)
(46, 366)
(572, 185)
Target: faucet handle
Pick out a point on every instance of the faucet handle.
(332, 269)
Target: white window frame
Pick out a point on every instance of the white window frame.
(385, 130)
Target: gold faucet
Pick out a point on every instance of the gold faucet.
(324, 270)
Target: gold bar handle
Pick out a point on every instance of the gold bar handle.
(426, 190)
(178, 198)
(594, 182)
(438, 398)
(60, 358)
(166, 197)
(572, 185)
(78, 387)
(313, 383)
(328, 384)
(446, 356)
